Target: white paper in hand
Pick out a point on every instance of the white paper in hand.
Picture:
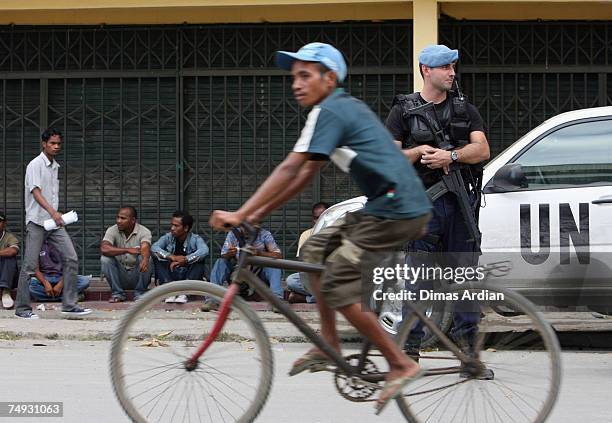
(68, 218)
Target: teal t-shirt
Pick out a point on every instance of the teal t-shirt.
(345, 130)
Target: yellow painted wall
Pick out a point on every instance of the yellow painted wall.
(528, 10)
(195, 12)
(93, 12)
(424, 33)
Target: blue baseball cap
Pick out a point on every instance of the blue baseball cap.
(438, 55)
(327, 55)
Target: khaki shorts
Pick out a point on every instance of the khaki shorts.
(345, 247)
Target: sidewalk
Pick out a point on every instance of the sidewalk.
(101, 324)
(187, 318)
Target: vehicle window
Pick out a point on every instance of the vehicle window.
(576, 155)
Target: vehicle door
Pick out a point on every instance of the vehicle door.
(557, 227)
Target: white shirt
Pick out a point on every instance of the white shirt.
(41, 173)
(303, 238)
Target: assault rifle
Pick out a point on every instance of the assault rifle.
(453, 182)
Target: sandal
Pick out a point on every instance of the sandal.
(116, 300)
(393, 389)
(312, 360)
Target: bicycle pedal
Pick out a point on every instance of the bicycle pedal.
(355, 380)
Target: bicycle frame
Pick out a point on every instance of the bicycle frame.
(246, 258)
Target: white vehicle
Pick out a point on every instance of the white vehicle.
(547, 208)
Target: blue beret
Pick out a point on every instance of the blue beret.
(438, 55)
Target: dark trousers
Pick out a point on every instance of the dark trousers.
(446, 245)
(8, 272)
(195, 271)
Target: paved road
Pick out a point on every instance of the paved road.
(75, 372)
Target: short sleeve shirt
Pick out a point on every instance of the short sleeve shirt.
(264, 242)
(50, 260)
(118, 239)
(400, 130)
(346, 131)
(303, 238)
(7, 240)
(41, 173)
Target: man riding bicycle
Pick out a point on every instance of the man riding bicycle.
(341, 128)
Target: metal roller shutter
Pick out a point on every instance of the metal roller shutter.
(197, 116)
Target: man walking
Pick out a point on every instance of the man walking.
(42, 201)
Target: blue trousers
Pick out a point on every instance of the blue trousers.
(194, 271)
(445, 245)
(223, 268)
(37, 290)
(8, 272)
(294, 284)
(119, 278)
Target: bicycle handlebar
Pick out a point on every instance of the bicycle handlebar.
(251, 231)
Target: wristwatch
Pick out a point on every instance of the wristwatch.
(454, 156)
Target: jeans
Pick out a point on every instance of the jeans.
(37, 289)
(34, 237)
(8, 272)
(119, 278)
(223, 268)
(194, 271)
(294, 284)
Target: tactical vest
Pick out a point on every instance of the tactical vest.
(455, 123)
(456, 131)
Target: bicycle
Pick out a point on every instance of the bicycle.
(189, 364)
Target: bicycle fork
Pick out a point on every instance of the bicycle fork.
(224, 310)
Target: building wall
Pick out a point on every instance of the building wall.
(95, 12)
(195, 116)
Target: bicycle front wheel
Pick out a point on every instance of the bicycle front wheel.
(150, 348)
(521, 353)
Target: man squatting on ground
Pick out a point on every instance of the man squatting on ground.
(9, 248)
(345, 130)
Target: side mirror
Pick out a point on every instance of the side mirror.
(509, 177)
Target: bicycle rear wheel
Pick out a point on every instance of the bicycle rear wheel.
(151, 346)
(453, 392)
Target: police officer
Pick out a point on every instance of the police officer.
(457, 124)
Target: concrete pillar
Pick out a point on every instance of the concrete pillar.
(424, 32)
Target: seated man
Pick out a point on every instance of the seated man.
(126, 255)
(298, 285)
(9, 248)
(179, 254)
(49, 280)
(223, 267)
